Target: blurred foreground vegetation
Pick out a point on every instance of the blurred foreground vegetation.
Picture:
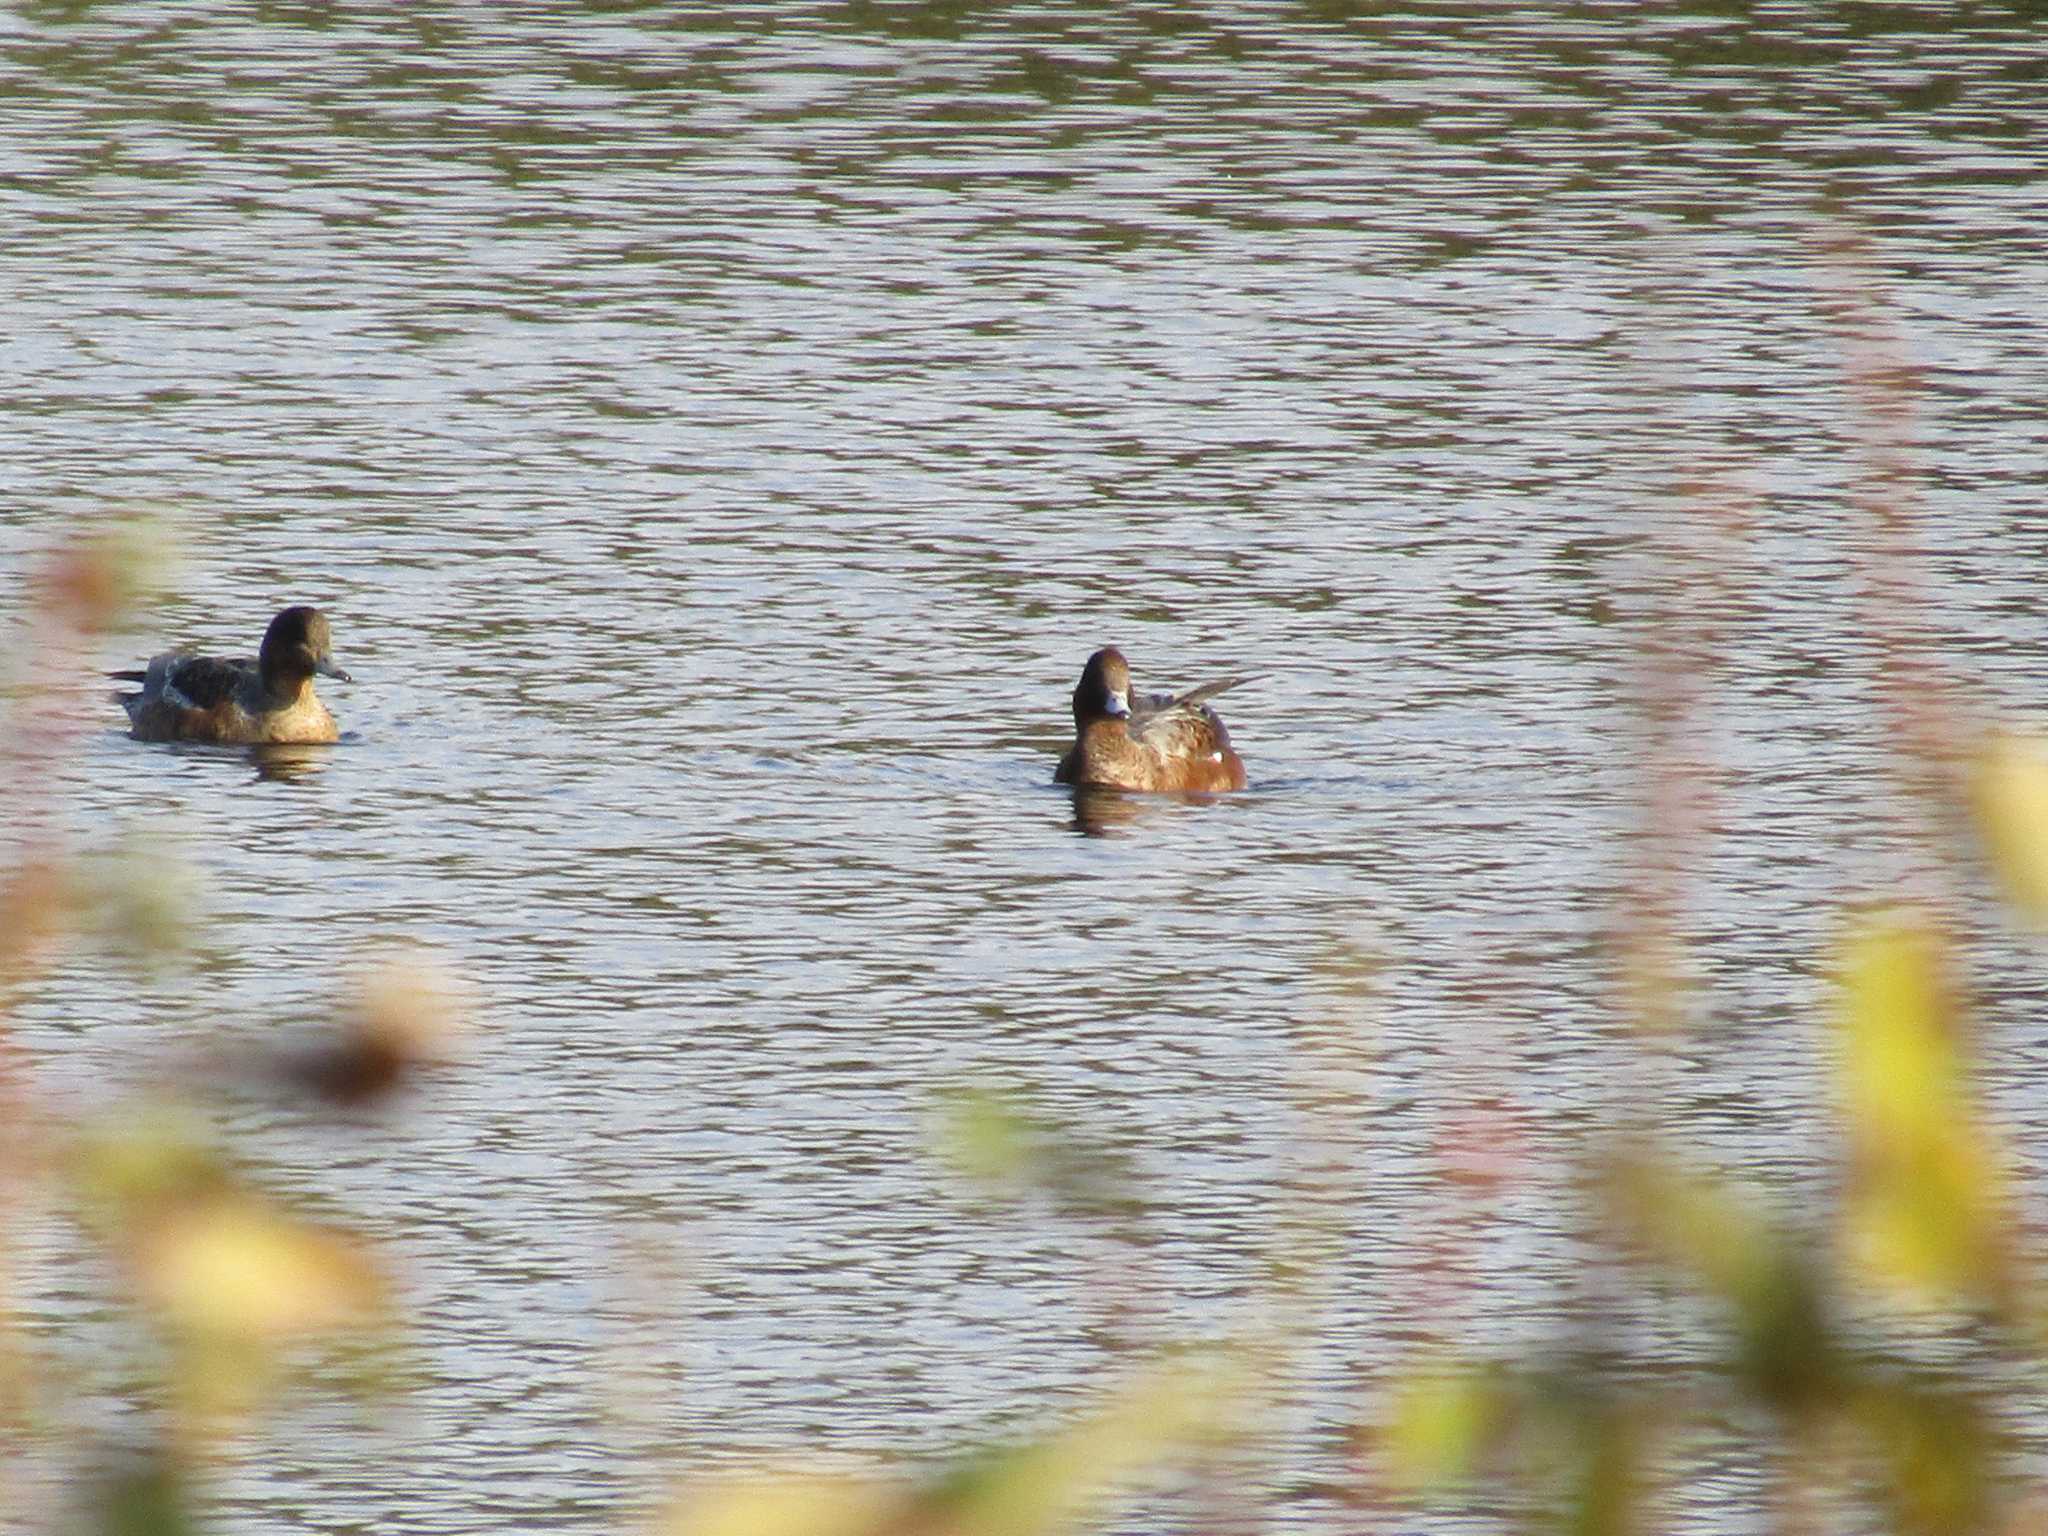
(1865, 1351)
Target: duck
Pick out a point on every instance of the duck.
(1158, 741)
(188, 697)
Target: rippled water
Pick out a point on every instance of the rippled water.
(719, 441)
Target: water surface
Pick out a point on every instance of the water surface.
(718, 442)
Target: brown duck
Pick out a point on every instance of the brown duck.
(1169, 742)
(185, 697)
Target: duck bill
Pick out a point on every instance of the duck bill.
(329, 669)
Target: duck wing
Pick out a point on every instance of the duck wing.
(1196, 696)
(1182, 725)
(1180, 731)
(207, 681)
(1143, 704)
(192, 682)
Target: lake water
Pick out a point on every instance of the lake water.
(719, 438)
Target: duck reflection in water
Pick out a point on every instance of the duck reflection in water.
(286, 764)
(1100, 810)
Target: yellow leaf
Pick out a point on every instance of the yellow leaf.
(1441, 1424)
(986, 1135)
(1046, 1485)
(1698, 1226)
(149, 1158)
(775, 1505)
(1926, 1198)
(1784, 1349)
(2010, 789)
(1051, 1484)
(232, 1269)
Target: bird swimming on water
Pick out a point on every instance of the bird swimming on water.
(1159, 741)
(187, 697)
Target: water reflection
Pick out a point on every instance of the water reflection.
(1100, 810)
(289, 763)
